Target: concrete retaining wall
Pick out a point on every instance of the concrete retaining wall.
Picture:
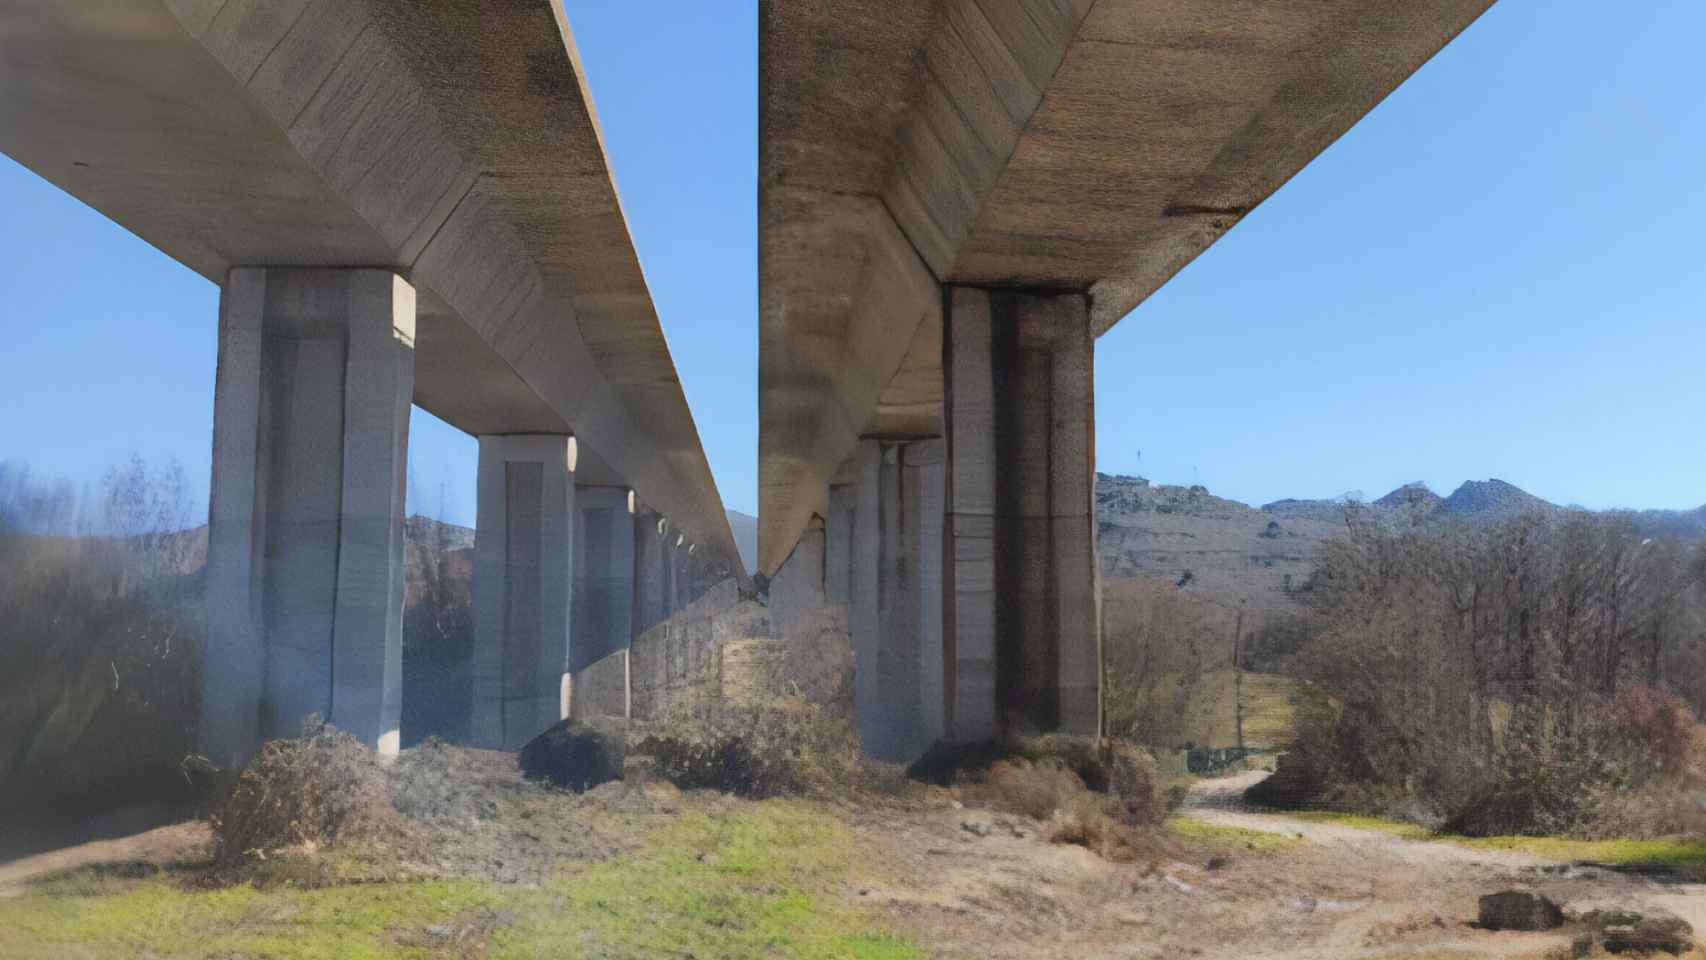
(717, 650)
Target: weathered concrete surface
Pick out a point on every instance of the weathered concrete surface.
(524, 551)
(451, 141)
(604, 575)
(1093, 146)
(1023, 628)
(838, 543)
(305, 538)
(603, 688)
(888, 528)
(650, 589)
(797, 590)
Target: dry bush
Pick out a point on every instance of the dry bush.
(1159, 644)
(1105, 795)
(428, 783)
(1048, 790)
(1034, 789)
(1082, 820)
(321, 789)
(1495, 680)
(785, 746)
(1120, 773)
(1659, 720)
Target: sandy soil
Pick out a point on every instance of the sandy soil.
(970, 883)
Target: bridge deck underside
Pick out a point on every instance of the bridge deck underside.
(1091, 146)
(452, 141)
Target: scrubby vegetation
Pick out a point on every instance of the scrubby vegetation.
(787, 746)
(1538, 677)
(100, 665)
(438, 631)
(1185, 674)
(318, 790)
(1105, 794)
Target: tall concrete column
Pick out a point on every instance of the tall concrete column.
(1023, 614)
(864, 611)
(524, 548)
(796, 591)
(305, 522)
(923, 486)
(604, 575)
(838, 542)
(650, 591)
(896, 596)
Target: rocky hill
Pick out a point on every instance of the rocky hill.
(1209, 546)
(1491, 500)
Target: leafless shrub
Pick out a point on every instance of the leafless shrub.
(1048, 790)
(1495, 681)
(1159, 643)
(321, 789)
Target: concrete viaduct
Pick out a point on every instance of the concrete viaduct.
(403, 201)
(956, 197)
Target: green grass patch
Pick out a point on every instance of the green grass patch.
(1190, 828)
(1396, 828)
(1679, 856)
(743, 882)
(1676, 855)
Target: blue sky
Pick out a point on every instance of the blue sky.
(1497, 273)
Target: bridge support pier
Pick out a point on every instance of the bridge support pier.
(524, 548)
(838, 542)
(604, 575)
(1022, 583)
(797, 589)
(896, 601)
(650, 589)
(305, 527)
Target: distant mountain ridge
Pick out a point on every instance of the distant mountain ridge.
(1239, 554)
(1487, 500)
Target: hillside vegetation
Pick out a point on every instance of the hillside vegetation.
(1540, 675)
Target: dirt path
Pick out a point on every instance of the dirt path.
(160, 847)
(1341, 893)
(1220, 802)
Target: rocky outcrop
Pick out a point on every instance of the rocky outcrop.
(1643, 932)
(1519, 910)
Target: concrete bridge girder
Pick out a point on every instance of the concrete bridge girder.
(1012, 159)
(350, 171)
(374, 133)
